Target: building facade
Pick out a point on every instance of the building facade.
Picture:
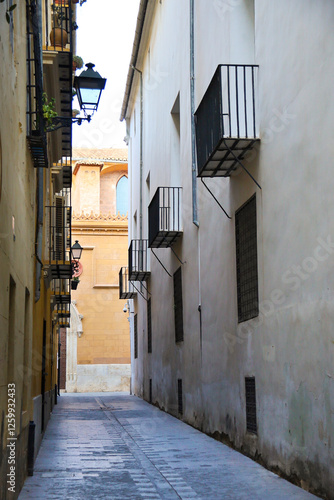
(35, 223)
(98, 340)
(229, 111)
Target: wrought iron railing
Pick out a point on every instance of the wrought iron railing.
(58, 219)
(138, 260)
(126, 288)
(226, 118)
(59, 25)
(165, 218)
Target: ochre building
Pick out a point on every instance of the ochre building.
(98, 341)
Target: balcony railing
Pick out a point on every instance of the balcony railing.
(165, 218)
(126, 288)
(226, 120)
(138, 261)
(58, 218)
(61, 293)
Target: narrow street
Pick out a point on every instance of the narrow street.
(116, 446)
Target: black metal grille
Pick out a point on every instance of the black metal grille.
(58, 219)
(226, 120)
(247, 271)
(164, 215)
(36, 134)
(179, 396)
(135, 336)
(178, 305)
(250, 405)
(126, 289)
(150, 394)
(138, 261)
(149, 326)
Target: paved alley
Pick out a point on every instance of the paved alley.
(116, 446)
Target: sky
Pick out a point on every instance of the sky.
(105, 37)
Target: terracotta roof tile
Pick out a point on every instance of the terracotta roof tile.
(100, 154)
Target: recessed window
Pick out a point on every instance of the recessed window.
(150, 394)
(122, 196)
(246, 256)
(178, 305)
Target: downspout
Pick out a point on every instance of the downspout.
(194, 169)
(192, 103)
(141, 155)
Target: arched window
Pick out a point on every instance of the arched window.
(122, 196)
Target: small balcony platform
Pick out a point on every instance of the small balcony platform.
(165, 217)
(226, 120)
(126, 289)
(138, 260)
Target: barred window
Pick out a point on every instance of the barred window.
(246, 253)
(178, 306)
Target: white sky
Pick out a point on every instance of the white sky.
(105, 38)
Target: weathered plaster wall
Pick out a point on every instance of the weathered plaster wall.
(289, 348)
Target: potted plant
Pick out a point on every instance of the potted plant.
(77, 62)
(58, 35)
(75, 112)
(75, 282)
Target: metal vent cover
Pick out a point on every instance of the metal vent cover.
(179, 396)
(251, 423)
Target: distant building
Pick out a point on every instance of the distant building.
(98, 340)
(230, 115)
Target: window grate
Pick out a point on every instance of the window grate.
(250, 405)
(178, 306)
(179, 396)
(149, 327)
(150, 395)
(246, 256)
(135, 335)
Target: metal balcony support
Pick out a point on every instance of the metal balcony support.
(213, 196)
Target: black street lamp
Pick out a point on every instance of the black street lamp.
(88, 85)
(76, 251)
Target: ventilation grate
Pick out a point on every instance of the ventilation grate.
(250, 405)
(150, 394)
(179, 396)
(246, 254)
(178, 305)
(135, 335)
(149, 327)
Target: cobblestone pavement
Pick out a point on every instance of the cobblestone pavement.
(118, 447)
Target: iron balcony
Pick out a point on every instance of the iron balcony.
(138, 260)
(126, 288)
(226, 121)
(58, 218)
(165, 217)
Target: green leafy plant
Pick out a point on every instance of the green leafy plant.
(49, 112)
(78, 61)
(76, 278)
(9, 10)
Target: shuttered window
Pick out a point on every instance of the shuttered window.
(251, 423)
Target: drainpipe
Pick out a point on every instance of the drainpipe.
(141, 156)
(193, 170)
(192, 102)
(39, 233)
